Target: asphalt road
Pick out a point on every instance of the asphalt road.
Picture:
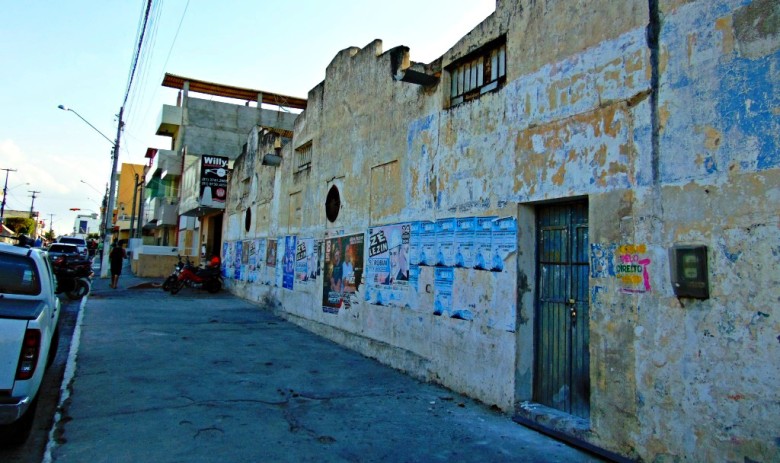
(33, 450)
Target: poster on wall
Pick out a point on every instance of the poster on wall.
(414, 243)
(445, 242)
(343, 271)
(427, 243)
(280, 250)
(246, 249)
(632, 268)
(288, 264)
(251, 267)
(483, 249)
(227, 260)
(259, 258)
(464, 241)
(305, 262)
(504, 242)
(443, 280)
(239, 252)
(213, 181)
(270, 262)
(387, 265)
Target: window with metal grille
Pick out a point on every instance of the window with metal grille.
(303, 157)
(478, 73)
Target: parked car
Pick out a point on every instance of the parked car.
(78, 241)
(62, 249)
(29, 312)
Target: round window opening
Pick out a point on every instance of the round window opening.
(248, 219)
(332, 204)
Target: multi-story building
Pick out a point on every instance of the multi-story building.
(571, 214)
(207, 135)
(129, 197)
(162, 190)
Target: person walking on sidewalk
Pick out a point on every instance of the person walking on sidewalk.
(116, 257)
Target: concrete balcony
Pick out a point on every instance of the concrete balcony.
(166, 211)
(169, 121)
(168, 164)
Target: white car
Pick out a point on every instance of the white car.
(78, 241)
(29, 312)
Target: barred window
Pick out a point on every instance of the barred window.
(478, 73)
(303, 158)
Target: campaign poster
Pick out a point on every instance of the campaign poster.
(343, 271)
(288, 262)
(504, 242)
(246, 249)
(445, 242)
(227, 260)
(270, 262)
(414, 243)
(387, 264)
(239, 252)
(465, 228)
(213, 181)
(279, 272)
(305, 261)
(483, 238)
(443, 280)
(427, 243)
(257, 262)
(251, 267)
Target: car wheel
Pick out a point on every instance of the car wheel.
(16, 433)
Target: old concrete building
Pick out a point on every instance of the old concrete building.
(572, 214)
(207, 133)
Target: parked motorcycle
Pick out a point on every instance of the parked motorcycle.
(74, 276)
(174, 276)
(208, 277)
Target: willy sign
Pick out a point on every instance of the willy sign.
(213, 181)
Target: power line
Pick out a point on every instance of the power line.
(147, 103)
(137, 53)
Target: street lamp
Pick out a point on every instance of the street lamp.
(108, 225)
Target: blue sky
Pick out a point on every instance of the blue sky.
(78, 53)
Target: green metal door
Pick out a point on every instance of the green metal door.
(562, 373)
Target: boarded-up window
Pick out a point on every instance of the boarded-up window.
(302, 165)
(480, 72)
(387, 191)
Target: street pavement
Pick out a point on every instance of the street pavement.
(198, 377)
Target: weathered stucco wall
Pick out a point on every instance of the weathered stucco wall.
(663, 115)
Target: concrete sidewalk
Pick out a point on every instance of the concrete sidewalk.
(198, 377)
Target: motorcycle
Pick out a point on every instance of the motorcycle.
(74, 276)
(174, 276)
(208, 277)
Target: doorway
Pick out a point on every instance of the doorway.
(562, 359)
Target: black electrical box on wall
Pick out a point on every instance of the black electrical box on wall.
(689, 271)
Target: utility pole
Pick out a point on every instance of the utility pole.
(109, 228)
(5, 192)
(32, 204)
(51, 224)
